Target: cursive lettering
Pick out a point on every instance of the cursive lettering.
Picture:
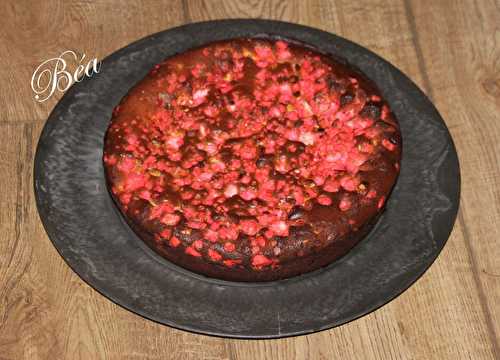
(54, 74)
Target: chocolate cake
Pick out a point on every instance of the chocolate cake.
(252, 159)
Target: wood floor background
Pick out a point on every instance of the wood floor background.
(451, 49)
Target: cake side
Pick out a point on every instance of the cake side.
(252, 160)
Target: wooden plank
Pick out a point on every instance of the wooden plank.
(463, 66)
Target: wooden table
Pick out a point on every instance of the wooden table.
(451, 49)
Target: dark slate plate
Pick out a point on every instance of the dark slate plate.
(89, 233)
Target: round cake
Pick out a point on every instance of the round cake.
(252, 159)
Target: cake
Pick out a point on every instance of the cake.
(252, 159)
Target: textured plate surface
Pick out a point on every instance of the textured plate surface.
(89, 233)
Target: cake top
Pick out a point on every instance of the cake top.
(251, 140)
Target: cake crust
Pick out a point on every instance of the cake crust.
(252, 159)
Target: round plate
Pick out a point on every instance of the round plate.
(90, 234)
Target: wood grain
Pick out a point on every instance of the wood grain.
(450, 49)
